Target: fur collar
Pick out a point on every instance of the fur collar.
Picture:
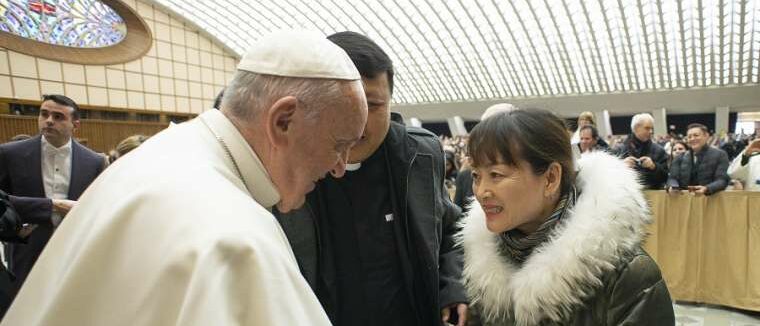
(608, 219)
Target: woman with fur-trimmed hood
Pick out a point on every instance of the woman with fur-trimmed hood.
(546, 245)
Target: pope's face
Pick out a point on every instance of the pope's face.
(322, 146)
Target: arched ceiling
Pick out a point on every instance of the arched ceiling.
(464, 50)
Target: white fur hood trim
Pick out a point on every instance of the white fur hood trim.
(608, 219)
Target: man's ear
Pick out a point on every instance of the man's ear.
(280, 119)
(76, 124)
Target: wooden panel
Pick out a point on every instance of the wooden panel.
(99, 135)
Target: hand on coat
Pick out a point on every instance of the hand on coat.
(461, 310)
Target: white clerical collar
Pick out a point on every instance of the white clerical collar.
(255, 176)
(47, 146)
(353, 166)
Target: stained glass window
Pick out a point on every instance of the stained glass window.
(73, 23)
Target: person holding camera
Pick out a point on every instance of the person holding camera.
(641, 154)
(746, 166)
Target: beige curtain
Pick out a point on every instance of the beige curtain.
(708, 248)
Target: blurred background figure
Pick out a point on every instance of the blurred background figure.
(679, 147)
(584, 119)
(126, 146)
(746, 167)
(589, 140)
(452, 168)
(20, 137)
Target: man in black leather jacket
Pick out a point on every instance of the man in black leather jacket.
(376, 245)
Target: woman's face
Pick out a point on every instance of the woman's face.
(678, 149)
(511, 197)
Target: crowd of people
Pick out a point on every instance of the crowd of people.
(302, 201)
(726, 166)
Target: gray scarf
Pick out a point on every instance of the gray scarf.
(517, 245)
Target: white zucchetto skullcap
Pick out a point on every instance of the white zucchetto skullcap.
(303, 54)
(497, 108)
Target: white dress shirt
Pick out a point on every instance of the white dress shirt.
(56, 173)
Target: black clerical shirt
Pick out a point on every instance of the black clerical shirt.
(370, 286)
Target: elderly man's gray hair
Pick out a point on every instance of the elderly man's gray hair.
(496, 109)
(249, 93)
(639, 118)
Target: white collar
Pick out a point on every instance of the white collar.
(353, 166)
(47, 146)
(244, 159)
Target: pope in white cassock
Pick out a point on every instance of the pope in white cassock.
(179, 232)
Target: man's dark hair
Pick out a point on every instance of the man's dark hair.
(367, 56)
(218, 100)
(65, 101)
(700, 126)
(594, 132)
(536, 136)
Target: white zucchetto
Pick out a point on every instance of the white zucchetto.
(303, 54)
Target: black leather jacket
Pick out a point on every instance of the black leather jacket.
(432, 265)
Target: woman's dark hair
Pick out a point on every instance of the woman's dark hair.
(677, 142)
(451, 157)
(536, 136)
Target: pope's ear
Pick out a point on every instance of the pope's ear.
(280, 119)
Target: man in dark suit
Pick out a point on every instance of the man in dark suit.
(703, 169)
(377, 245)
(44, 176)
